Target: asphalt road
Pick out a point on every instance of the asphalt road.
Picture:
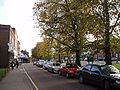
(44, 80)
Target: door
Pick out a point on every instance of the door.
(96, 77)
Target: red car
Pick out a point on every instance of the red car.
(69, 69)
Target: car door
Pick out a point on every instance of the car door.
(86, 73)
(95, 76)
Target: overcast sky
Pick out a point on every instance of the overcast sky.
(18, 14)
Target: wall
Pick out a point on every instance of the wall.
(4, 39)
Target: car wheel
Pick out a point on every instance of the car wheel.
(81, 80)
(67, 75)
(106, 85)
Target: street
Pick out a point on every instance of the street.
(44, 80)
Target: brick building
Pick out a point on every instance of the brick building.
(9, 45)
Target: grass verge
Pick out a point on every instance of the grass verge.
(117, 65)
(3, 73)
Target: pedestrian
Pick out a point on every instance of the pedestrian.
(12, 64)
(17, 63)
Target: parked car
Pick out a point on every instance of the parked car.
(40, 63)
(105, 76)
(34, 62)
(69, 69)
(46, 64)
(54, 67)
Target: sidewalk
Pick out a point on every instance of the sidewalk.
(16, 80)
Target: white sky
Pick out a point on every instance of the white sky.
(18, 14)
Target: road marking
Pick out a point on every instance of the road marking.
(30, 79)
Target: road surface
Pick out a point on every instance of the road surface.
(43, 80)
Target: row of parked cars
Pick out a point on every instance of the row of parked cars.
(105, 76)
(65, 69)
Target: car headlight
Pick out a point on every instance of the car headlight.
(118, 82)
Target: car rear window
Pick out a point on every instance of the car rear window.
(71, 66)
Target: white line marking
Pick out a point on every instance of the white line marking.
(30, 79)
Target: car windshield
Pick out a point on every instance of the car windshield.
(109, 69)
(71, 66)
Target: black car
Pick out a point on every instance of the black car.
(105, 76)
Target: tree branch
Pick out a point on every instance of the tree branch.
(59, 41)
(116, 23)
(100, 17)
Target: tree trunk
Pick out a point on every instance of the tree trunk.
(59, 58)
(107, 34)
(78, 58)
(107, 50)
(77, 45)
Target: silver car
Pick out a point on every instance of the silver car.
(54, 67)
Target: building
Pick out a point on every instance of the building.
(9, 45)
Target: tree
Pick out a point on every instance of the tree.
(108, 21)
(43, 50)
(63, 20)
(115, 43)
(111, 19)
(71, 21)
